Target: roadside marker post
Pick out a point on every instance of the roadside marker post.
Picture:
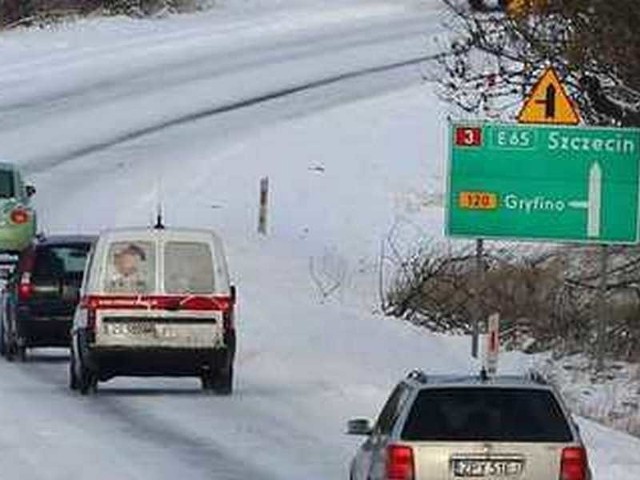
(492, 344)
(264, 206)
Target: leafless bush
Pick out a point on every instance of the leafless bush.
(548, 296)
(328, 273)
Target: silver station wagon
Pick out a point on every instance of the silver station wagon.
(481, 428)
(155, 302)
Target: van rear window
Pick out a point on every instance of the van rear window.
(486, 414)
(188, 268)
(130, 268)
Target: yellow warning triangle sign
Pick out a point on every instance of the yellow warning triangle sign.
(548, 102)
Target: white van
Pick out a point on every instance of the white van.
(155, 301)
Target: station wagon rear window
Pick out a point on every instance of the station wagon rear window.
(188, 268)
(130, 268)
(486, 414)
(7, 189)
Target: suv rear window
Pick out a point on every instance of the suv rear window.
(7, 189)
(188, 268)
(486, 414)
(57, 261)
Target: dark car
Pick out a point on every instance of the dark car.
(40, 295)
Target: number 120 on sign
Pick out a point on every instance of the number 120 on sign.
(478, 200)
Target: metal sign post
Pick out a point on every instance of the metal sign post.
(602, 309)
(478, 315)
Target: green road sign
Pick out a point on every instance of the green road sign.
(544, 183)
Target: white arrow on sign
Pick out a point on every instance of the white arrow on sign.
(595, 200)
(594, 203)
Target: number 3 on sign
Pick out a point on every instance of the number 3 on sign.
(468, 136)
(478, 200)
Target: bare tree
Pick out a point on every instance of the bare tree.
(494, 57)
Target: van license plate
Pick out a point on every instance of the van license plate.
(141, 328)
(134, 328)
(486, 468)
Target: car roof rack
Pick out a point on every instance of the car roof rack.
(418, 375)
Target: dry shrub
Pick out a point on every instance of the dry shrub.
(549, 297)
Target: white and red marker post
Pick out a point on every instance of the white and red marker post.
(492, 345)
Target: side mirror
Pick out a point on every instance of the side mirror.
(30, 190)
(359, 426)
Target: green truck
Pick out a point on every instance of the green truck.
(18, 224)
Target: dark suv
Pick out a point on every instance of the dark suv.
(448, 428)
(40, 295)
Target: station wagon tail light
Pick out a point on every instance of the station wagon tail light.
(19, 216)
(573, 465)
(25, 287)
(399, 465)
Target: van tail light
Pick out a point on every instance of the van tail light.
(573, 465)
(91, 319)
(19, 216)
(89, 304)
(399, 464)
(25, 287)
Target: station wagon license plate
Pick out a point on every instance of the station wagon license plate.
(486, 468)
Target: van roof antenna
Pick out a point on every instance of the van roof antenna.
(159, 220)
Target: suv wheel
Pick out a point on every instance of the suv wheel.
(11, 350)
(21, 352)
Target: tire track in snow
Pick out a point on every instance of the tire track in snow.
(40, 165)
(199, 452)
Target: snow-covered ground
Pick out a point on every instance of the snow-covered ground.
(611, 397)
(346, 162)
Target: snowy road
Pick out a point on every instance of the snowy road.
(131, 89)
(111, 115)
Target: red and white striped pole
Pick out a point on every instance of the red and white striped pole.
(493, 344)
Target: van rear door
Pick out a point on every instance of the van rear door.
(168, 300)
